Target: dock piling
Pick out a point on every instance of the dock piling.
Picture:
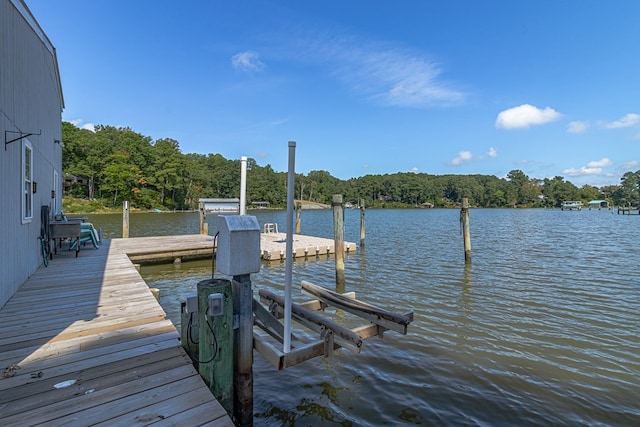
(125, 219)
(464, 221)
(338, 232)
(298, 210)
(361, 223)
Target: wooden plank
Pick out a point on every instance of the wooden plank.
(379, 316)
(343, 336)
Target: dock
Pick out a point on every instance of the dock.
(168, 249)
(84, 342)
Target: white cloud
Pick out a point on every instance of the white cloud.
(592, 168)
(625, 121)
(524, 116)
(582, 171)
(462, 157)
(631, 164)
(414, 169)
(79, 123)
(602, 163)
(247, 61)
(467, 156)
(577, 127)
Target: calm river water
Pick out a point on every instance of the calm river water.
(542, 329)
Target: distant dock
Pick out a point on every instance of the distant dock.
(628, 210)
(168, 249)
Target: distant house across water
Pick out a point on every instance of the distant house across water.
(220, 205)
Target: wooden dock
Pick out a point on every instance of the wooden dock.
(169, 249)
(84, 342)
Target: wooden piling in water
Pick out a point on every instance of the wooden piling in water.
(125, 219)
(361, 223)
(338, 232)
(202, 218)
(243, 351)
(464, 221)
(298, 210)
(215, 352)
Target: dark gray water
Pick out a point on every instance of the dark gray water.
(542, 329)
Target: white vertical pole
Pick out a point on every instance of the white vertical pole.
(243, 185)
(286, 344)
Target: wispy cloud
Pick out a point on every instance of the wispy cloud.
(467, 156)
(524, 116)
(631, 164)
(577, 127)
(625, 121)
(247, 61)
(414, 169)
(385, 73)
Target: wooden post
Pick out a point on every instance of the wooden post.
(298, 210)
(464, 220)
(243, 351)
(202, 218)
(125, 219)
(361, 223)
(216, 349)
(338, 240)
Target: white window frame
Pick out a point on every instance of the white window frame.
(27, 182)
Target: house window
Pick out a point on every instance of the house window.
(27, 182)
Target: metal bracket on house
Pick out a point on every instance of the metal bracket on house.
(22, 135)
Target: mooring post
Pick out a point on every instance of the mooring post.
(203, 218)
(338, 240)
(361, 223)
(298, 210)
(215, 348)
(464, 220)
(243, 350)
(239, 256)
(125, 219)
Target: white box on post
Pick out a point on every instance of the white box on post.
(238, 250)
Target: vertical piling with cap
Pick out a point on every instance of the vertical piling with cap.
(464, 221)
(125, 219)
(338, 241)
(361, 223)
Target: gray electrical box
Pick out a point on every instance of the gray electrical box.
(238, 251)
(216, 305)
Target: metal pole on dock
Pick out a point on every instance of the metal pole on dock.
(338, 241)
(286, 343)
(298, 210)
(464, 220)
(125, 219)
(361, 223)
(243, 185)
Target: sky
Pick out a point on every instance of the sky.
(548, 87)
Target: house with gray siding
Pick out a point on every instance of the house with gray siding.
(31, 105)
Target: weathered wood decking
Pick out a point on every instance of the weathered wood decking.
(83, 342)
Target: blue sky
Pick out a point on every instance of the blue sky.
(364, 87)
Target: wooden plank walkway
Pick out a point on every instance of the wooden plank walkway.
(83, 342)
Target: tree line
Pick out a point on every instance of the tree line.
(115, 164)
